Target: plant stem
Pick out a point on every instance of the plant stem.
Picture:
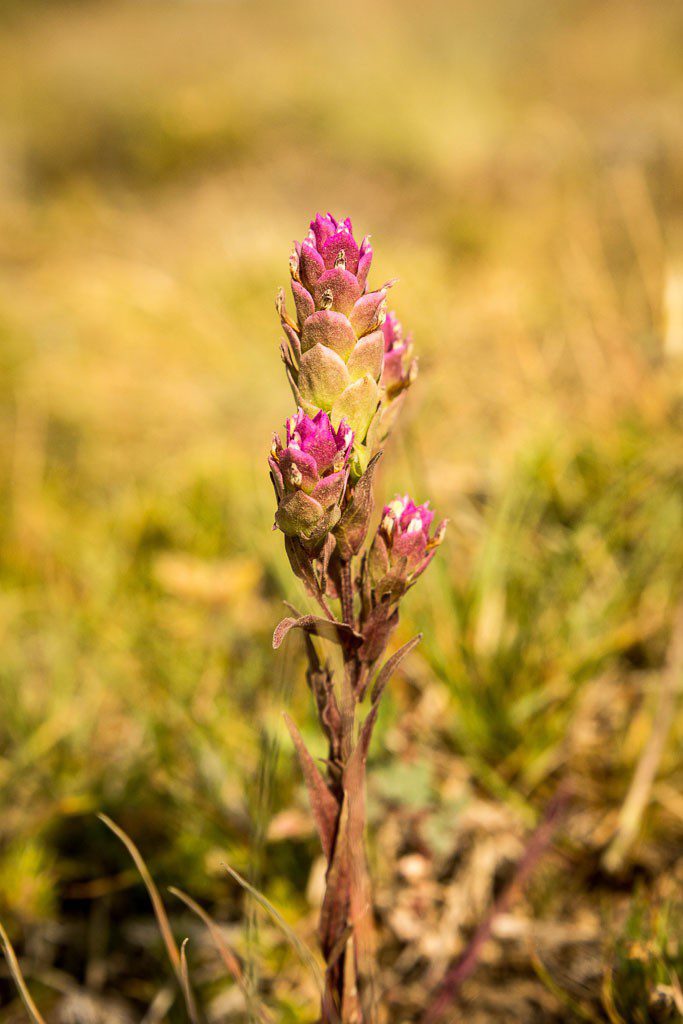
(351, 975)
(347, 593)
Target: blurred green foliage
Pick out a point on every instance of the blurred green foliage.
(649, 963)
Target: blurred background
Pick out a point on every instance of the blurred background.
(519, 167)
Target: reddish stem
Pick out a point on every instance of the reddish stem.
(347, 593)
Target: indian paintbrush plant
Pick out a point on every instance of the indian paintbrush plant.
(349, 367)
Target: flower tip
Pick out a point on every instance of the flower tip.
(440, 532)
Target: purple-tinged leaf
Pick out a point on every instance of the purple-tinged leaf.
(336, 632)
(331, 329)
(334, 913)
(303, 301)
(368, 313)
(281, 307)
(379, 625)
(323, 804)
(301, 564)
(390, 667)
(324, 558)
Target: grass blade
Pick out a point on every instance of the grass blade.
(301, 949)
(564, 998)
(159, 912)
(448, 992)
(229, 958)
(638, 796)
(15, 971)
(185, 982)
(161, 1004)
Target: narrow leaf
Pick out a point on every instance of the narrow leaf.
(324, 557)
(301, 564)
(335, 908)
(229, 958)
(360, 902)
(379, 625)
(334, 927)
(323, 804)
(360, 753)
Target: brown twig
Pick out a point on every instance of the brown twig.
(447, 992)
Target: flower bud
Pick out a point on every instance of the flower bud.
(309, 474)
(400, 369)
(402, 548)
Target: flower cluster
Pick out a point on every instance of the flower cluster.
(334, 353)
(350, 365)
(402, 548)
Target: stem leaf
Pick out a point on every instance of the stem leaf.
(323, 804)
(336, 632)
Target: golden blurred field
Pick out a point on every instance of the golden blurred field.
(519, 167)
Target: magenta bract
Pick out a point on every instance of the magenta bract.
(309, 473)
(317, 440)
(330, 245)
